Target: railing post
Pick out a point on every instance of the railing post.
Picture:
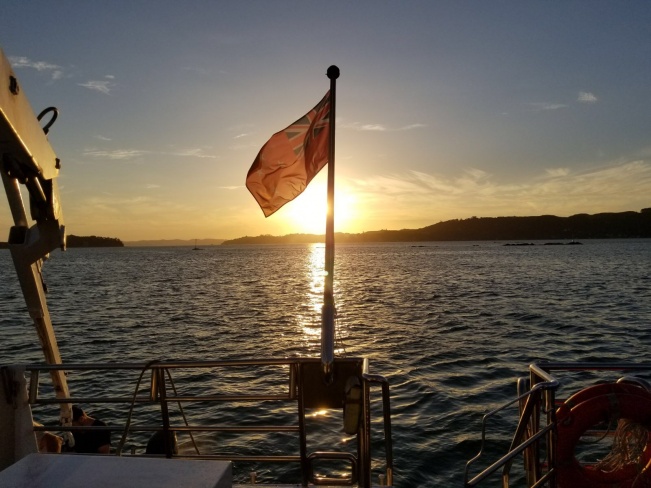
(550, 397)
(364, 440)
(301, 426)
(167, 440)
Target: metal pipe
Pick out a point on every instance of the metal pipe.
(328, 312)
(15, 199)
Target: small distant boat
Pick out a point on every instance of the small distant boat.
(195, 248)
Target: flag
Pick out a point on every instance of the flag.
(290, 159)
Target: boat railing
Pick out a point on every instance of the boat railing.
(524, 438)
(535, 434)
(172, 397)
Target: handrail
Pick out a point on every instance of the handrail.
(290, 377)
(386, 411)
(517, 445)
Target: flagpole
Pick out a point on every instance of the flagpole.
(328, 311)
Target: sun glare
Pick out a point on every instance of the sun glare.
(307, 213)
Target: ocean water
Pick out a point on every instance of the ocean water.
(452, 325)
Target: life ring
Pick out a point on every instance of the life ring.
(586, 409)
(605, 389)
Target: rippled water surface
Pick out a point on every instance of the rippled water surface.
(451, 325)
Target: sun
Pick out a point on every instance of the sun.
(306, 214)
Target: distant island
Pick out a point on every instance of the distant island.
(544, 227)
(93, 241)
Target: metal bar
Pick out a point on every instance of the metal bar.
(530, 404)
(549, 476)
(180, 364)
(550, 406)
(386, 411)
(15, 199)
(328, 313)
(162, 389)
(507, 457)
(193, 428)
(538, 386)
(364, 437)
(551, 366)
(213, 398)
(262, 459)
(302, 441)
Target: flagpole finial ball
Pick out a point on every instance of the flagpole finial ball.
(333, 72)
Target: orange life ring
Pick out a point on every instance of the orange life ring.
(586, 409)
(605, 389)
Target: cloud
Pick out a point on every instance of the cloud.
(195, 153)
(104, 87)
(412, 126)
(230, 187)
(377, 127)
(102, 138)
(373, 127)
(128, 154)
(557, 172)
(418, 199)
(586, 97)
(543, 106)
(117, 154)
(151, 186)
(18, 62)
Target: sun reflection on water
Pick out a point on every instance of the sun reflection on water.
(310, 322)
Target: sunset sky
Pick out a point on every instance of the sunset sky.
(445, 109)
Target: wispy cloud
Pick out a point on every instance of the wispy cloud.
(230, 187)
(104, 87)
(586, 97)
(195, 153)
(151, 186)
(55, 71)
(557, 172)
(116, 154)
(413, 126)
(102, 138)
(543, 106)
(377, 127)
(130, 154)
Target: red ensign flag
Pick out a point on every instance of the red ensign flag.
(290, 159)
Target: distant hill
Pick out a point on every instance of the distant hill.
(581, 226)
(93, 241)
(174, 242)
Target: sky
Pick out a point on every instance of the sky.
(445, 109)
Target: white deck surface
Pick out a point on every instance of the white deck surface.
(78, 471)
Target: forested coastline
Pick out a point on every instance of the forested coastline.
(549, 227)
